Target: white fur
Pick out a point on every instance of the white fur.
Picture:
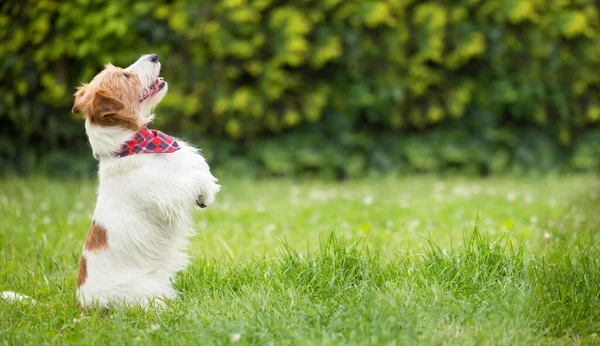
(147, 72)
(145, 203)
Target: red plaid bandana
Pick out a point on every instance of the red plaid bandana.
(148, 141)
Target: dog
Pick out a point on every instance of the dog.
(149, 185)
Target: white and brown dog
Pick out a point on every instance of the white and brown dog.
(149, 183)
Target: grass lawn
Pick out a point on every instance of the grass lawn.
(393, 261)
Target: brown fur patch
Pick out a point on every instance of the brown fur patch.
(97, 238)
(110, 99)
(82, 272)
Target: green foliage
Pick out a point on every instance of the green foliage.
(328, 149)
(567, 282)
(250, 71)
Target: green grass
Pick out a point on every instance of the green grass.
(394, 261)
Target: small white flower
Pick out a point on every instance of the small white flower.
(270, 228)
(511, 196)
(548, 237)
(154, 327)
(318, 195)
(235, 337)
(367, 200)
(414, 224)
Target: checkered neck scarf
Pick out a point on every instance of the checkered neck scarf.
(148, 141)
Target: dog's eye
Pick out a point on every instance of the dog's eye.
(126, 75)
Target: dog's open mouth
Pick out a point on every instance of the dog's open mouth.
(155, 87)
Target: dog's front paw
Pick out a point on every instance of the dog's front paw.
(200, 203)
(208, 197)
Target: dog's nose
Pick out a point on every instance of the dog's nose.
(153, 57)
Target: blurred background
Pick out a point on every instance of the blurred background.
(329, 88)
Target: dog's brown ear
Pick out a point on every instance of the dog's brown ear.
(105, 104)
(78, 104)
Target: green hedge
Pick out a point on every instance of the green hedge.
(318, 86)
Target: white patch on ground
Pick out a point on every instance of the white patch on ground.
(236, 337)
(14, 296)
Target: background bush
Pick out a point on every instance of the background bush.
(328, 87)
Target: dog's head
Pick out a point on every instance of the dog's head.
(122, 97)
